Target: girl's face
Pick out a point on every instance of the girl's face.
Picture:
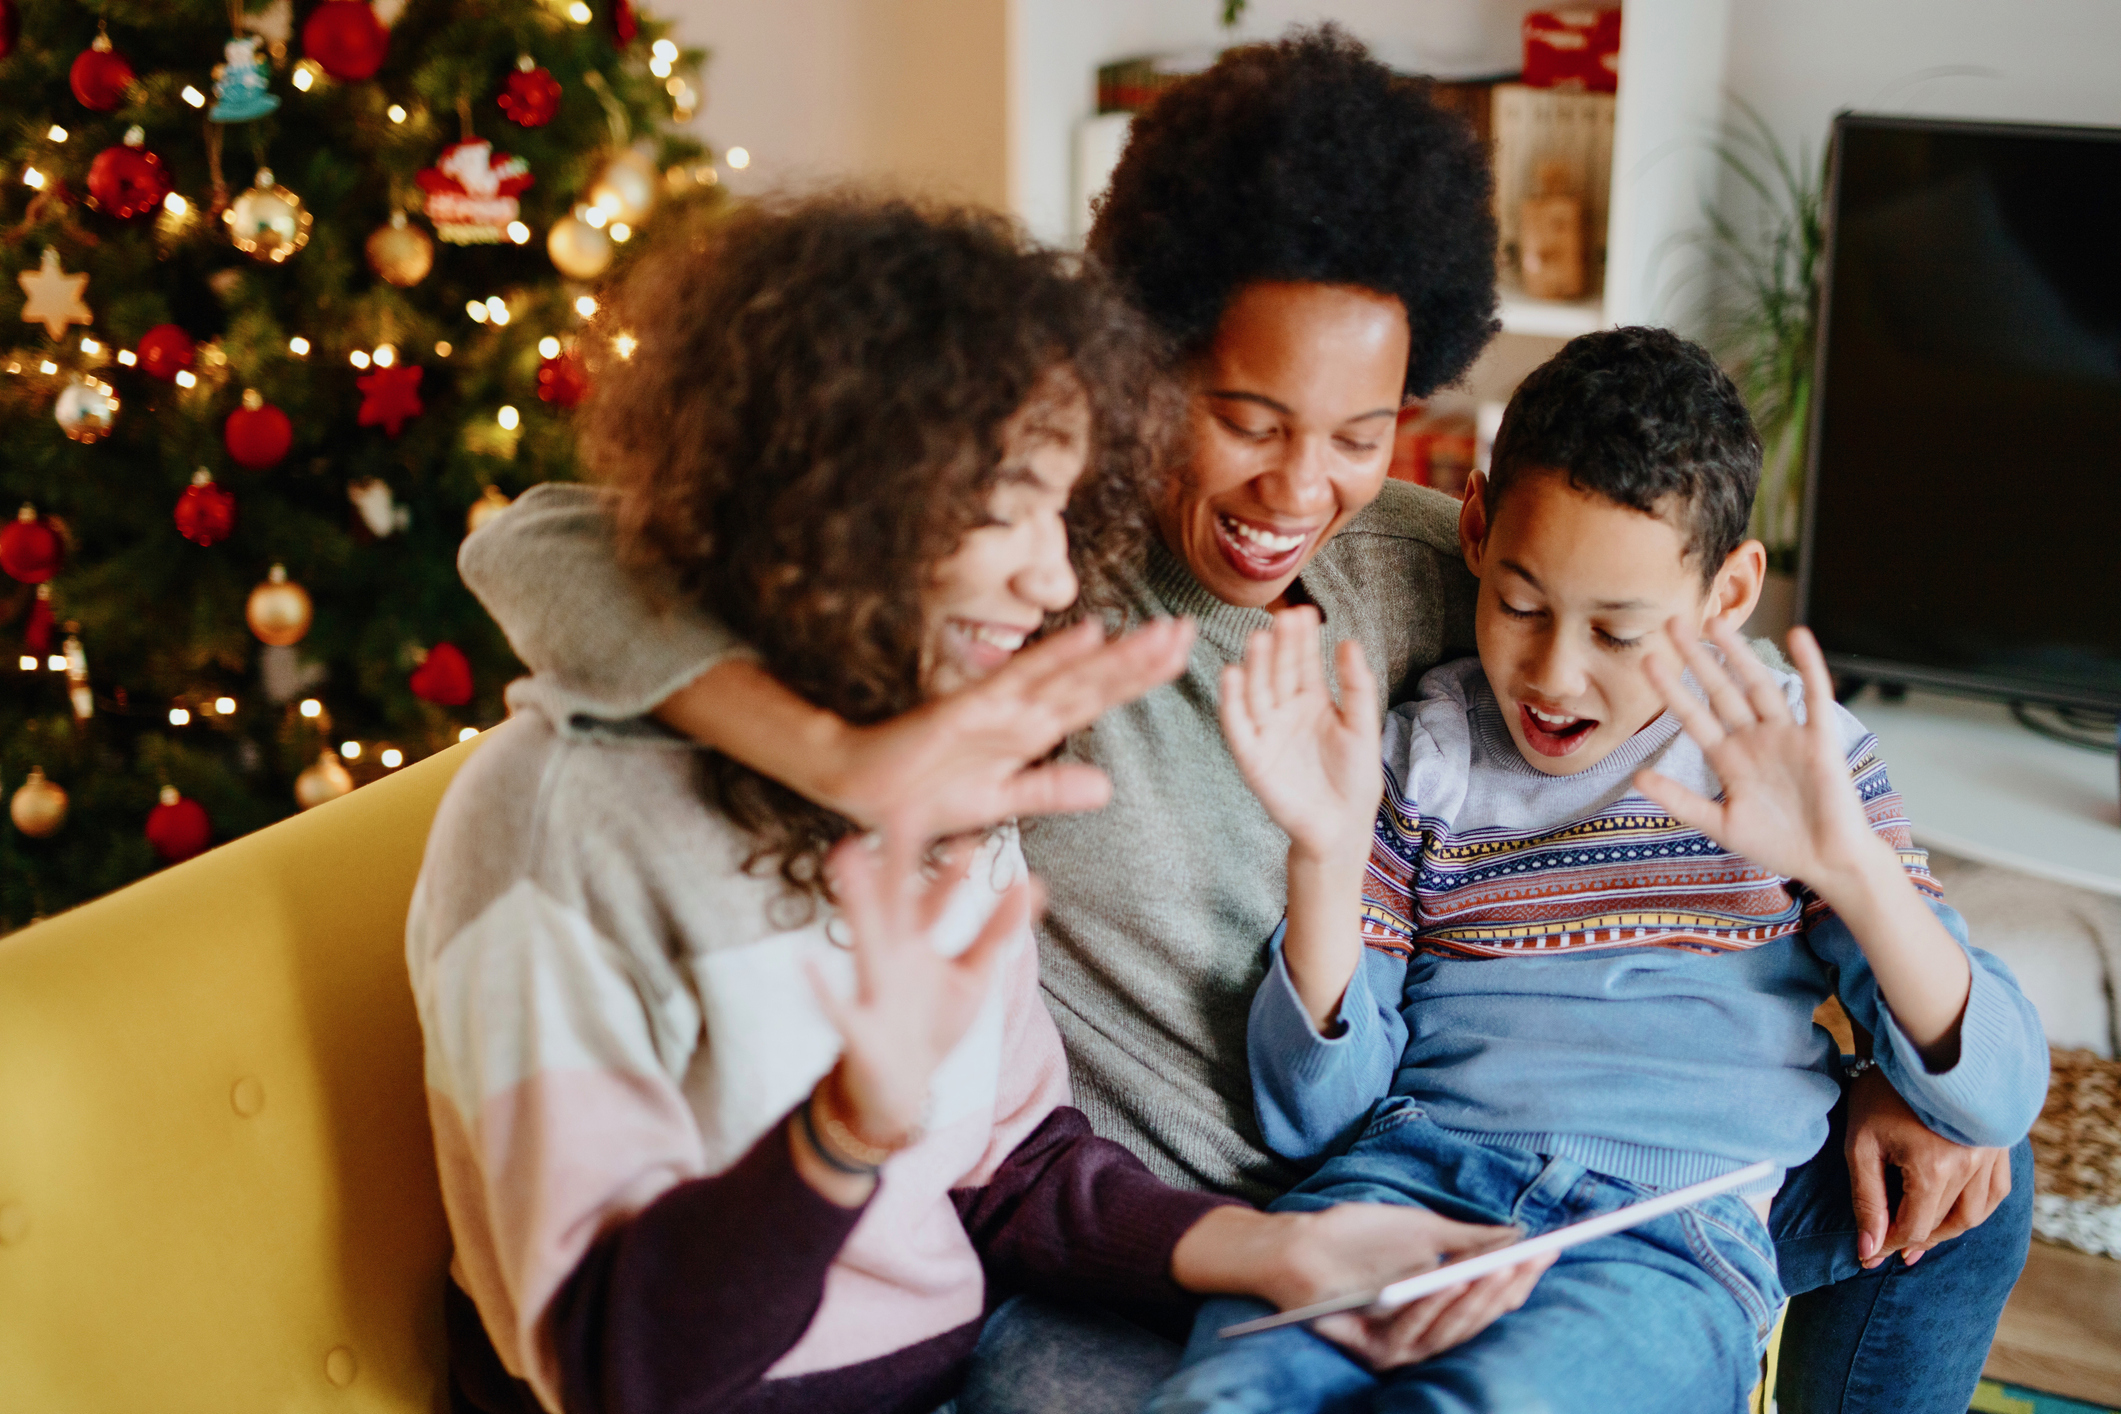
(1290, 433)
(1011, 569)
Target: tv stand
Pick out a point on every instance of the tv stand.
(1979, 785)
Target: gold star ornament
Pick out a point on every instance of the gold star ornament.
(54, 296)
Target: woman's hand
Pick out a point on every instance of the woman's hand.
(1295, 1259)
(911, 1005)
(1311, 761)
(963, 761)
(1945, 1188)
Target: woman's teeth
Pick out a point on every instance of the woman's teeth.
(1265, 541)
(1006, 639)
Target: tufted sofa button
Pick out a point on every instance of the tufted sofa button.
(14, 1223)
(247, 1096)
(340, 1367)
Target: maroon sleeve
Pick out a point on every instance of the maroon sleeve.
(687, 1304)
(1069, 1214)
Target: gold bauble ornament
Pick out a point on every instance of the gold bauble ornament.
(326, 780)
(579, 250)
(490, 504)
(627, 189)
(39, 807)
(401, 252)
(279, 611)
(268, 222)
(86, 408)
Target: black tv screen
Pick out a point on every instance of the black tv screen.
(1963, 517)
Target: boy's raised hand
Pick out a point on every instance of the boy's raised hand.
(1788, 802)
(1311, 761)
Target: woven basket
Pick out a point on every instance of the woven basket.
(2077, 1155)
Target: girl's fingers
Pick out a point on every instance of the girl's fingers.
(1725, 699)
(1761, 690)
(1011, 915)
(1688, 807)
(952, 863)
(854, 883)
(828, 1001)
(1700, 723)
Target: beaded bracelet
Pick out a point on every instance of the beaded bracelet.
(831, 1160)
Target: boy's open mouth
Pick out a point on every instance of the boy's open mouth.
(1554, 733)
(1258, 551)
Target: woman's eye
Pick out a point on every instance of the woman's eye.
(1516, 613)
(1355, 448)
(1250, 434)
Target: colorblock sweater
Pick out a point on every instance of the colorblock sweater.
(1150, 946)
(618, 1024)
(1555, 964)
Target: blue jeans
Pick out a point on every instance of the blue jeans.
(1669, 1316)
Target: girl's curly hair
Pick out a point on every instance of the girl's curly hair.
(812, 417)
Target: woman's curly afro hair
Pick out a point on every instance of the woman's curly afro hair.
(1305, 160)
(813, 415)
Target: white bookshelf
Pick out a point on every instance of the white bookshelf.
(1671, 100)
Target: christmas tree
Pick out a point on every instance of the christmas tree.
(336, 256)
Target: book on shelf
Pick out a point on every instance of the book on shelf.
(1551, 145)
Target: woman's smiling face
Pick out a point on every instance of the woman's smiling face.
(1293, 407)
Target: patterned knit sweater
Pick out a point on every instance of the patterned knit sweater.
(1555, 964)
(617, 1026)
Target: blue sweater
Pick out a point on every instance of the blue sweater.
(1555, 964)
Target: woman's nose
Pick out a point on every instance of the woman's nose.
(1048, 580)
(1299, 485)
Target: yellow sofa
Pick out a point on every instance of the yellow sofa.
(217, 1185)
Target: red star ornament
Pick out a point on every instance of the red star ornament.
(390, 396)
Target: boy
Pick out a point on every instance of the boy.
(1590, 967)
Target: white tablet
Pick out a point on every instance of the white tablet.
(1413, 1288)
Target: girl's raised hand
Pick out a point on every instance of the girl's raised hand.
(1311, 761)
(910, 1005)
(1788, 802)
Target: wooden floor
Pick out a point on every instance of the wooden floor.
(2061, 1332)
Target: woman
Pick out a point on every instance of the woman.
(733, 1111)
(1313, 237)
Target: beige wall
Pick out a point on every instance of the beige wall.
(911, 93)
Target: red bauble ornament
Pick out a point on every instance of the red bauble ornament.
(345, 37)
(37, 633)
(563, 379)
(127, 181)
(165, 351)
(257, 433)
(624, 23)
(179, 827)
(444, 677)
(389, 396)
(10, 27)
(100, 77)
(206, 514)
(30, 547)
(532, 97)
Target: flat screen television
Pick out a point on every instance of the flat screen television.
(1962, 522)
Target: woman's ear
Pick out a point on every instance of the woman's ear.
(1473, 521)
(1736, 589)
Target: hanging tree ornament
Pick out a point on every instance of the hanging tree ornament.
(390, 396)
(268, 222)
(400, 252)
(627, 189)
(625, 24)
(38, 807)
(240, 93)
(54, 296)
(178, 827)
(77, 692)
(10, 27)
(531, 97)
(127, 180)
(165, 351)
(471, 192)
(563, 379)
(100, 75)
(492, 501)
(257, 434)
(378, 509)
(443, 676)
(37, 633)
(85, 409)
(279, 611)
(31, 548)
(326, 780)
(205, 514)
(579, 250)
(346, 39)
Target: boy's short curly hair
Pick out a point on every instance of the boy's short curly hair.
(812, 417)
(1646, 420)
(1306, 160)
